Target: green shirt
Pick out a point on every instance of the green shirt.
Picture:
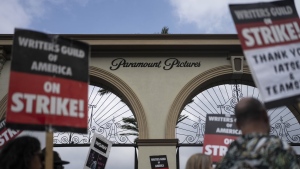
(258, 151)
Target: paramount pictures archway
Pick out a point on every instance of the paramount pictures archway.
(154, 78)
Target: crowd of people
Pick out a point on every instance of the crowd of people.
(254, 149)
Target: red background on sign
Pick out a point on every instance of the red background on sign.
(240, 27)
(34, 84)
(218, 140)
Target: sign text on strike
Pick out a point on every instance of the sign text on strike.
(50, 105)
(272, 34)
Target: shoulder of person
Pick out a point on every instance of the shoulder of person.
(276, 141)
(275, 144)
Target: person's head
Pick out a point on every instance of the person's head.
(251, 116)
(199, 161)
(57, 161)
(21, 153)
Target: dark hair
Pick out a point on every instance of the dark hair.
(18, 153)
(249, 109)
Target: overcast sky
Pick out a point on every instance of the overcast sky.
(117, 17)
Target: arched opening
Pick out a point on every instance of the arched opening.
(216, 91)
(108, 116)
(109, 81)
(208, 79)
(221, 99)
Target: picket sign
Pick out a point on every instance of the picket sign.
(220, 131)
(159, 162)
(269, 33)
(48, 86)
(98, 153)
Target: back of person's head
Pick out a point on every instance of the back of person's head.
(19, 152)
(199, 161)
(57, 161)
(250, 110)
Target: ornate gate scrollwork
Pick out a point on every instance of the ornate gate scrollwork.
(106, 113)
(221, 99)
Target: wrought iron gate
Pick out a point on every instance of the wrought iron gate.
(106, 117)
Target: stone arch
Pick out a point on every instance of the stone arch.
(202, 82)
(104, 78)
(108, 80)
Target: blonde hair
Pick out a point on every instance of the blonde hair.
(198, 161)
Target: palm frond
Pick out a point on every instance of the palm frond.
(181, 118)
(190, 101)
(129, 127)
(103, 91)
(130, 124)
(129, 134)
(130, 120)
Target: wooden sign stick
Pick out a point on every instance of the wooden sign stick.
(49, 149)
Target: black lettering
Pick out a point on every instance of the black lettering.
(292, 76)
(293, 51)
(286, 66)
(283, 54)
(289, 86)
(255, 58)
(281, 88)
(280, 68)
(274, 90)
(275, 69)
(116, 63)
(263, 58)
(277, 55)
(296, 83)
(169, 63)
(270, 57)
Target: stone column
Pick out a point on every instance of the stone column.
(2, 58)
(3, 88)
